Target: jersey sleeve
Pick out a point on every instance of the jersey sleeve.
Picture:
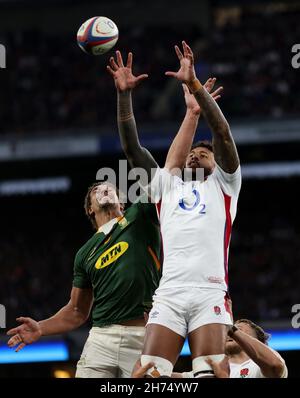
(284, 375)
(80, 277)
(160, 184)
(285, 370)
(230, 183)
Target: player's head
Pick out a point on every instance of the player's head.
(201, 156)
(102, 196)
(250, 328)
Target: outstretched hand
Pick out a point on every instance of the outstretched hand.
(186, 72)
(28, 332)
(190, 100)
(123, 76)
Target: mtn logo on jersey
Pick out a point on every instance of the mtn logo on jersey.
(111, 255)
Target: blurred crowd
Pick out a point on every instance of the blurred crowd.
(264, 274)
(252, 56)
(37, 249)
(36, 274)
(264, 256)
(50, 84)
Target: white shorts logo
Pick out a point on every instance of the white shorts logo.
(154, 314)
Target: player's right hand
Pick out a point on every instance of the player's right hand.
(221, 369)
(28, 332)
(140, 371)
(123, 76)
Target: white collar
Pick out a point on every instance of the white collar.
(107, 227)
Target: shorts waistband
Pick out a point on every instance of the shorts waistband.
(116, 329)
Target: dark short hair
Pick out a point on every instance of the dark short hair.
(261, 335)
(88, 201)
(203, 144)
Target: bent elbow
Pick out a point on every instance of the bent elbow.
(130, 150)
(85, 316)
(80, 316)
(127, 149)
(277, 368)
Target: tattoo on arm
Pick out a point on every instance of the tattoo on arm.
(136, 154)
(224, 147)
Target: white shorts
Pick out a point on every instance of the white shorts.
(186, 309)
(111, 351)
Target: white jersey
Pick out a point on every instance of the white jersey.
(247, 369)
(250, 370)
(196, 219)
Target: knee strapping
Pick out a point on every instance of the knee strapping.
(162, 367)
(202, 369)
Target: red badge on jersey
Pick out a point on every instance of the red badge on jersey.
(244, 372)
(217, 310)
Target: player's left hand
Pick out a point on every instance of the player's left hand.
(221, 369)
(190, 100)
(27, 333)
(123, 76)
(186, 72)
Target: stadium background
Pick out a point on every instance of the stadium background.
(58, 127)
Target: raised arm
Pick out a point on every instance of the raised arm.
(181, 145)
(223, 144)
(125, 82)
(70, 317)
(269, 362)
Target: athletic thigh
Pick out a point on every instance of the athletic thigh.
(208, 340)
(162, 342)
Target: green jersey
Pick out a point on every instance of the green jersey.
(122, 267)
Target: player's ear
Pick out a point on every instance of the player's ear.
(122, 207)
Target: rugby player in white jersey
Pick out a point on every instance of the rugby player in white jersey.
(248, 355)
(196, 219)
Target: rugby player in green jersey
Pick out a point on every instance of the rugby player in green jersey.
(115, 274)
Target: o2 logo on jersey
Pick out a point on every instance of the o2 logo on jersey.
(196, 204)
